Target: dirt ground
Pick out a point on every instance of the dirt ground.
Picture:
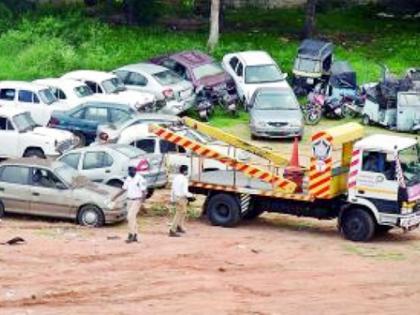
(274, 265)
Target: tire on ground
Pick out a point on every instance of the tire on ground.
(2, 211)
(91, 215)
(223, 210)
(357, 225)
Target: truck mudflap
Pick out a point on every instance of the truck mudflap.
(410, 221)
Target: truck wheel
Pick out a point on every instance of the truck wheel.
(357, 225)
(223, 210)
(366, 120)
(34, 153)
(91, 216)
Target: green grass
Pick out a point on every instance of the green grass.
(375, 253)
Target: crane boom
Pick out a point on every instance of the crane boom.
(237, 142)
(280, 184)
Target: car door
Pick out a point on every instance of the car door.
(30, 102)
(9, 139)
(137, 81)
(49, 196)
(15, 192)
(88, 119)
(96, 165)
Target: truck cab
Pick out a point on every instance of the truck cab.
(384, 177)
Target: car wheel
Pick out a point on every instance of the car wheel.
(2, 211)
(357, 225)
(366, 120)
(91, 216)
(223, 210)
(34, 153)
(82, 139)
(115, 183)
(150, 192)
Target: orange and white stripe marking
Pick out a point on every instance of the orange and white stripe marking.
(279, 183)
(354, 169)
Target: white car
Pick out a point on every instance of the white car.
(20, 136)
(109, 84)
(252, 70)
(175, 93)
(110, 133)
(140, 137)
(39, 100)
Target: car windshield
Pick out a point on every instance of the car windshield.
(276, 100)
(66, 173)
(167, 77)
(410, 164)
(83, 91)
(263, 74)
(307, 65)
(207, 70)
(24, 122)
(47, 96)
(113, 85)
(197, 136)
(129, 151)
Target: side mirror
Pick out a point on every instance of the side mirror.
(284, 76)
(60, 186)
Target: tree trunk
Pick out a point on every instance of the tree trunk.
(310, 11)
(129, 8)
(214, 25)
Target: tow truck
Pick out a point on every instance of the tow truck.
(369, 184)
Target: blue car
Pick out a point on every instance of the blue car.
(84, 119)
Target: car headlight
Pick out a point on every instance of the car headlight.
(261, 124)
(295, 123)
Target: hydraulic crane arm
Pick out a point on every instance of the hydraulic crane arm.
(280, 184)
(237, 142)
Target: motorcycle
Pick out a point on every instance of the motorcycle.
(203, 104)
(228, 102)
(353, 104)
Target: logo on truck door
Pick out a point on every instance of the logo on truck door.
(321, 150)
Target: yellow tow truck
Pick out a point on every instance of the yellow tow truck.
(370, 184)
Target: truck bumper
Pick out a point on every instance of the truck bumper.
(409, 221)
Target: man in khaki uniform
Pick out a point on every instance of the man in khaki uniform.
(180, 196)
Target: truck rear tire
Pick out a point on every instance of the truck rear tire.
(223, 210)
(357, 225)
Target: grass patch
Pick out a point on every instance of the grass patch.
(375, 253)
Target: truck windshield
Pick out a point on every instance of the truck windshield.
(113, 85)
(410, 164)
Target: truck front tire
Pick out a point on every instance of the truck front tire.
(357, 225)
(223, 210)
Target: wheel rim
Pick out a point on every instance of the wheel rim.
(90, 217)
(355, 226)
(222, 210)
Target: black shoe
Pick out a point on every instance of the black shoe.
(134, 239)
(180, 230)
(129, 238)
(173, 234)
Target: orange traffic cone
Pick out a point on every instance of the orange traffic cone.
(294, 160)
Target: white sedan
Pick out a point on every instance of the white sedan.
(252, 70)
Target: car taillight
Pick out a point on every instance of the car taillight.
(142, 166)
(103, 136)
(169, 93)
(53, 122)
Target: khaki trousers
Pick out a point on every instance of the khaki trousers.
(180, 214)
(133, 207)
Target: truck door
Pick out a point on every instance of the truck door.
(377, 181)
(408, 111)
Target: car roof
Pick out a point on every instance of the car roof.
(312, 48)
(107, 104)
(273, 89)
(21, 85)
(149, 68)
(387, 143)
(11, 111)
(91, 75)
(32, 161)
(255, 57)
(60, 82)
(192, 58)
(94, 146)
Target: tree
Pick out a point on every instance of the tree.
(214, 25)
(310, 12)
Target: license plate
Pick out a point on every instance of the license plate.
(411, 221)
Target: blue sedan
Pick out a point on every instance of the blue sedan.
(84, 119)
